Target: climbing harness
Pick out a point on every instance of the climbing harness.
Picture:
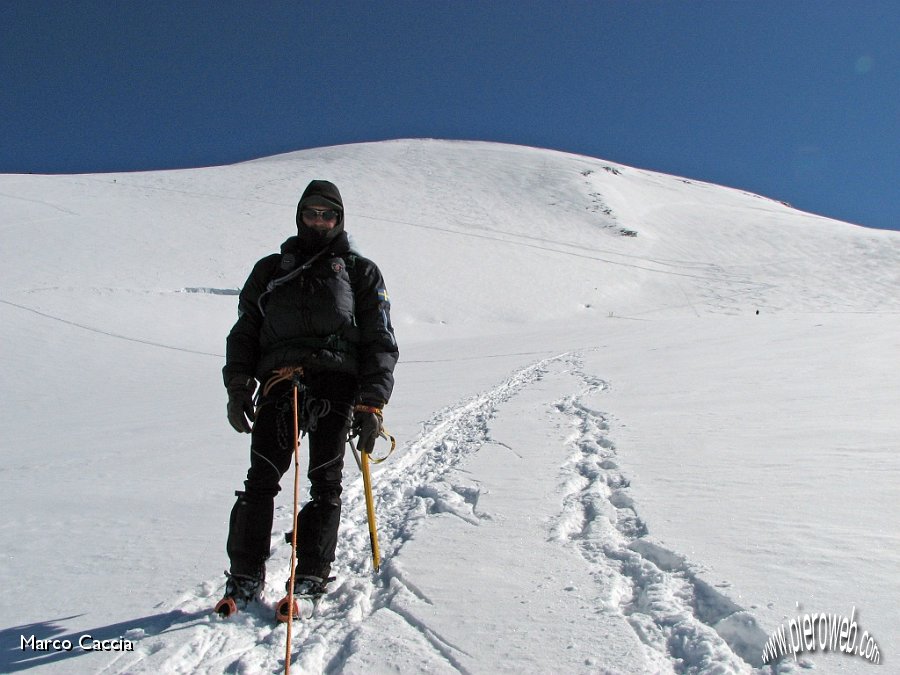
(296, 408)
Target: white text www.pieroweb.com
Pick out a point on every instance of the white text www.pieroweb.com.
(809, 633)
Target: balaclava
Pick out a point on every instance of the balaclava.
(321, 194)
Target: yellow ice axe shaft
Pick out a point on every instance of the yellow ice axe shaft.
(370, 510)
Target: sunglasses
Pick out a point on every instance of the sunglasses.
(326, 214)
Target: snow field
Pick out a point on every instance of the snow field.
(608, 461)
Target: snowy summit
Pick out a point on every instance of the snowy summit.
(643, 422)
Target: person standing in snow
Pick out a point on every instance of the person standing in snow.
(318, 311)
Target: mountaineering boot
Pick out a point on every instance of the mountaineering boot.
(306, 584)
(308, 591)
(240, 589)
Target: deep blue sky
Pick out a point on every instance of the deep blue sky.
(796, 100)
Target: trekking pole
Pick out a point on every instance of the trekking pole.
(290, 595)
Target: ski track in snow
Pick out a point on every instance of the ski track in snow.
(685, 625)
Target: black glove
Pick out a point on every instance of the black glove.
(240, 402)
(367, 425)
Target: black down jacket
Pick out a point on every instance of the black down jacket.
(326, 312)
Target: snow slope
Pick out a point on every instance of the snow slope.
(641, 419)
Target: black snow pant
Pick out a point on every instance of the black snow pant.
(326, 403)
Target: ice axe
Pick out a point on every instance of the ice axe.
(362, 461)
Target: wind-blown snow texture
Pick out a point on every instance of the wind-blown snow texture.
(641, 419)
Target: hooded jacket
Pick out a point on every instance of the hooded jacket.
(318, 305)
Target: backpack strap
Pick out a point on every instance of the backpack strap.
(288, 271)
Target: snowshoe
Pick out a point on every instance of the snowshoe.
(240, 589)
(308, 591)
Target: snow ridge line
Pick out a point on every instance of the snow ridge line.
(685, 625)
